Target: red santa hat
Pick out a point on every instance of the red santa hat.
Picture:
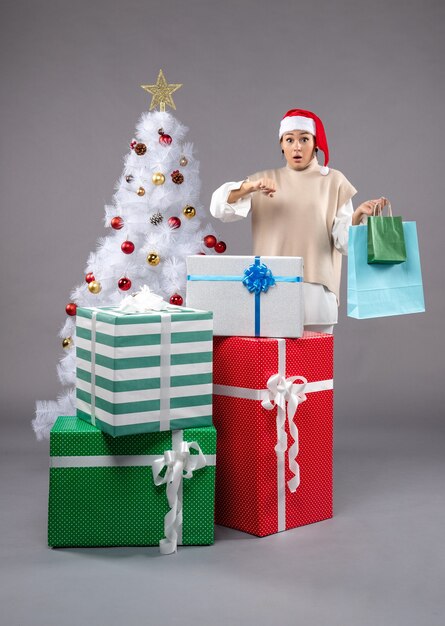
(298, 119)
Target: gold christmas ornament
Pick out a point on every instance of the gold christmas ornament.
(141, 191)
(158, 178)
(153, 258)
(183, 161)
(95, 286)
(189, 211)
(67, 343)
(161, 92)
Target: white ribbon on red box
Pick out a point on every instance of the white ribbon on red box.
(283, 394)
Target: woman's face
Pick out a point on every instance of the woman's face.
(298, 147)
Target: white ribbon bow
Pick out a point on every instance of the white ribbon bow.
(180, 464)
(281, 390)
(142, 301)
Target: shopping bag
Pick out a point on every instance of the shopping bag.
(386, 241)
(380, 290)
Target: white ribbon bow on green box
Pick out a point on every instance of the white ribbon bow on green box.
(142, 301)
(179, 464)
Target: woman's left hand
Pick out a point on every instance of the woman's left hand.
(369, 207)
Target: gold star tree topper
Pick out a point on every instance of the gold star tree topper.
(161, 92)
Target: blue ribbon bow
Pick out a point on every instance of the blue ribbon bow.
(258, 278)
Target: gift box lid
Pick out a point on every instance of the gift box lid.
(289, 266)
(113, 315)
(71, 435)
(250, 361)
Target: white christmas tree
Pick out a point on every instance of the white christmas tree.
(154, 221)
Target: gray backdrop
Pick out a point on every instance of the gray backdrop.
(70, 99)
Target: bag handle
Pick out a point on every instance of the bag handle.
(377, 205)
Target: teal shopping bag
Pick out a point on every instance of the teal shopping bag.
(382, 290)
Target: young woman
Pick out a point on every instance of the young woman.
(301, 209)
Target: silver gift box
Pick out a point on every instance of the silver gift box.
(249, 296)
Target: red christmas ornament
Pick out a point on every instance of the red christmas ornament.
(165, 139)
(133, 144)
(124, 283)
(220, 246)
(209, 241)
(127, 247)
(89, 277)
(117, 223)
(71, 308)
(174, 222)
(176, 299)
(201, 253)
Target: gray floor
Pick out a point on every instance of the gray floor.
(380, 561)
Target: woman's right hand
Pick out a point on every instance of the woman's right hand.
(263, 185)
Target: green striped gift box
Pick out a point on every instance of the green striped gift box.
(144, 372)
(102, 492)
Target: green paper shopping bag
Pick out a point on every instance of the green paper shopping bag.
(386, 239)
(379, 290)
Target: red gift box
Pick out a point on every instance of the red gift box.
(273, 412)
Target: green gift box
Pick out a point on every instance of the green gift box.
(136, 490)
(144, 372)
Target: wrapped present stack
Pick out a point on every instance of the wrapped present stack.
(273, 393)
(136, 466)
